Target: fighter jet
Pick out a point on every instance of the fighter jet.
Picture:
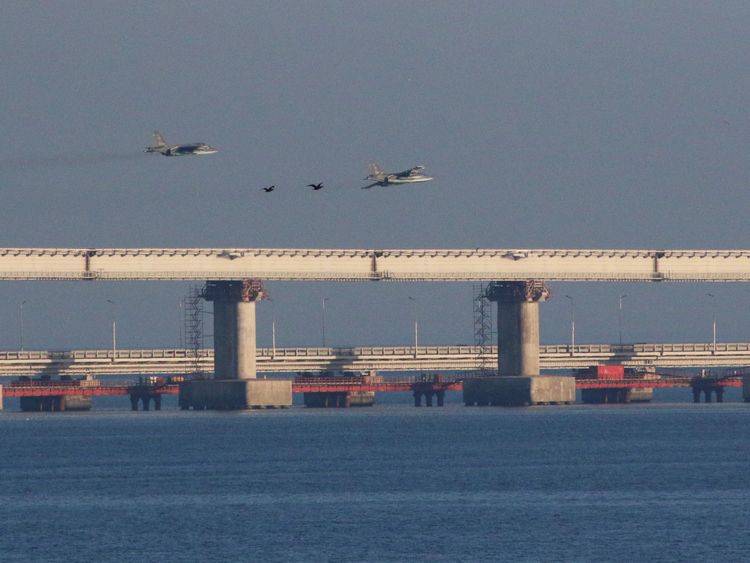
(380, 178)
(160, 145)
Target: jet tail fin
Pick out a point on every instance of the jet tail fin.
(159, 140)
(373, 170)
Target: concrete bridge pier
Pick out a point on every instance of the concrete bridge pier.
(327, 400)
(428, 398)
(519, 381)
(707, 392)
(44, 403)
(420, 392)
(145, 400)
(518, 325)
(604, 396)
(234, 327)
(428, 391)
(235, 384)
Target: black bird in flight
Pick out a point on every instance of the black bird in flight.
(316, 187)
(269, 189)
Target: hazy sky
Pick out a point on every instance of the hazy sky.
(546, 124)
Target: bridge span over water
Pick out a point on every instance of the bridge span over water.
(234, 279)
(373, 264)
(381, 359)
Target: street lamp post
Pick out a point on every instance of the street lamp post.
(114, 329)
(181, 323)
(713, 321)
(572, 324)
(273, 327)
(619, 318)
(273, 336)
(20, 324)
(416, 326)
(325, 299)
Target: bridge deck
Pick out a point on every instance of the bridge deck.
(373, 265)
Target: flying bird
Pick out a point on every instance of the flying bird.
(269, 189)
(316, 187)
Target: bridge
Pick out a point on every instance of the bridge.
(382, 359)
(234, 284)
(477, 264)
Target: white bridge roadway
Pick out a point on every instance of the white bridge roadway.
(373, 265)
(379, 358)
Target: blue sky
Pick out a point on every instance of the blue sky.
(545, 124)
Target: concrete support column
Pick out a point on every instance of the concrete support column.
(225, 340)
(246, 340)
(719, 394)
(417, 397)
(518, 325)
(440, 397)
(234, 327)
(428, 398)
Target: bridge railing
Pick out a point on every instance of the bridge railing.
(62, 355)
(379, 351)
(646, 348)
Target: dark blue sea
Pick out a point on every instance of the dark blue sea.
(655, 482)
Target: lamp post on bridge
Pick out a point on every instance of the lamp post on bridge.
(713, 321)
(325, 299)
(416, 325)
(20, 324)
(572, 324)
(114, 329)
(181, 322)
(273, 327)
(619, 318)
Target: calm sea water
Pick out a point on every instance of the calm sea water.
(658, 482)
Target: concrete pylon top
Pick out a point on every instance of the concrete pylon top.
(234, 291)
(530, 291)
